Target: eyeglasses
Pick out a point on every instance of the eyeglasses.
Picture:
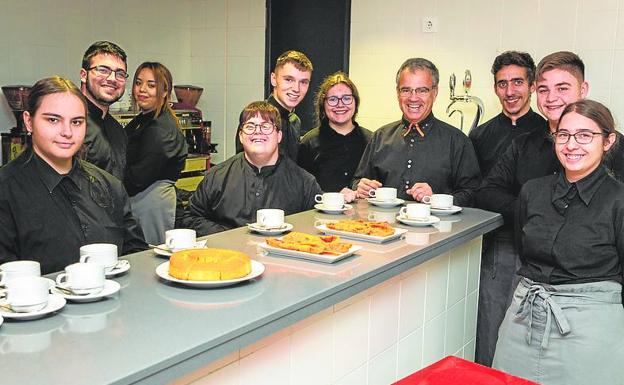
(406, 92)
(266, 128)
(106, 71)
(581, 137)
(332, 101)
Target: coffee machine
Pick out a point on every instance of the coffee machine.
(14, 142)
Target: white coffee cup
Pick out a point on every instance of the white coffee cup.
(416, 211)
(331, 200)
(178, 239)
(384, 193)
(14, 269)
(82, 278)
(439, 201)
(270, 217)
(104, 254)
(379, 216)
(26, 294)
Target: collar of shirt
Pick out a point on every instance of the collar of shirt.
(51, 178)
(264, 171)
(284, 113)
(95, 112)
(525, 121)
(586, 187)
(425, 125)
(328, 132)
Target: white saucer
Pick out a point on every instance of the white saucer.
(110, 288)
(420, 222)
(321, 207)
(162, 271)
(166, 251)
(448, 211)
(270, 231)
(384, 203)
(55, 302)
(122, 266)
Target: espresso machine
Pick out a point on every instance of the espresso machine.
(196, 130)
(14, 142)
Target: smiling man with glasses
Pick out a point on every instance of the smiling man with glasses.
(419, 155)
(103, 80)
(260, 177)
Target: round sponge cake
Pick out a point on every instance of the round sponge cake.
(209, 264)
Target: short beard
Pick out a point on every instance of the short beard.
(97, 99)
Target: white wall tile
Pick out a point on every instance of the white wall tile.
(433, 346)
(410, 351)
(474, 265)
(412, 303)
(458, 274)
(384, 319)
(455, 327)
(599, 66)
(382, 368)
(357, 377)
(437, 282)
(591, 37)
(557, 20)
(268, 366)
(311, 353)
(470, 325)
(350, 337)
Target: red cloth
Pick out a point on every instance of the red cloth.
(456, 371)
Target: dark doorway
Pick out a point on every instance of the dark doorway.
(318, 28)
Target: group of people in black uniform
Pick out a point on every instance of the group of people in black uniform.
(550, 298)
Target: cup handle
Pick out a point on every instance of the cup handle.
(4, 298)
(403, 211)
(318, 198)
(169, 242)
(60, 278)
(426, 199)
(372, 193)
(84, 258)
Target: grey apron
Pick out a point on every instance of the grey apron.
(154, 208)
(564, 334)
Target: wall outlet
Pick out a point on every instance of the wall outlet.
(430, 24)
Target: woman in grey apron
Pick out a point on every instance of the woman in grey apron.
(566, 322)
(156, 152)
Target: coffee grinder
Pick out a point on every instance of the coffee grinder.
(15, 141)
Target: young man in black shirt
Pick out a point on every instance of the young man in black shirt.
(290, 80)
(103, 81)
(419, 155)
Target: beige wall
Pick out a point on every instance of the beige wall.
(216, 44)
(471, 33)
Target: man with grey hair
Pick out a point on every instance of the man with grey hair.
(419, 155)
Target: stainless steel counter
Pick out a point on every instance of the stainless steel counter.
(153, 332)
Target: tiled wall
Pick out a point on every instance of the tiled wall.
(471, 34)
(374, 338)
(216, 44)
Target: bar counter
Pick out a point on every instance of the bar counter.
(155, 332)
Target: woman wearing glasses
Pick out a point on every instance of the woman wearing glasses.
(51, 202)
(566, 322)
(257, 178)
(332, 151)
(156, 152)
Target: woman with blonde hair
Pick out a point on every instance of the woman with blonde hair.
(156, 152)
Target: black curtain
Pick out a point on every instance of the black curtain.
(318, 28)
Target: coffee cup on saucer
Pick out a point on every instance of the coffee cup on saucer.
(386, 216)
(104, 254)
(331, 200)
(439, 201)
(82, 278)
(25, 294)
(416, 211)
(270, 218)
(15, 269)
(384, 194)
(178, 239)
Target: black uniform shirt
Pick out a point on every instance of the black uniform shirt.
(572, 232)
(232, 191)
(291, 131)
(493, 137)
(332, 157)
(45, 216)
(105, 142)
(443, 158)
(157, 151)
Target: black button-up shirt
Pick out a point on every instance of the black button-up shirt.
(157, 151)
(291, 131)
(105, 142)
(493, 137)
(443, 158)
(45, 216)
(530, 156)
(572, 232)
(234, 190)
(332, 157)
